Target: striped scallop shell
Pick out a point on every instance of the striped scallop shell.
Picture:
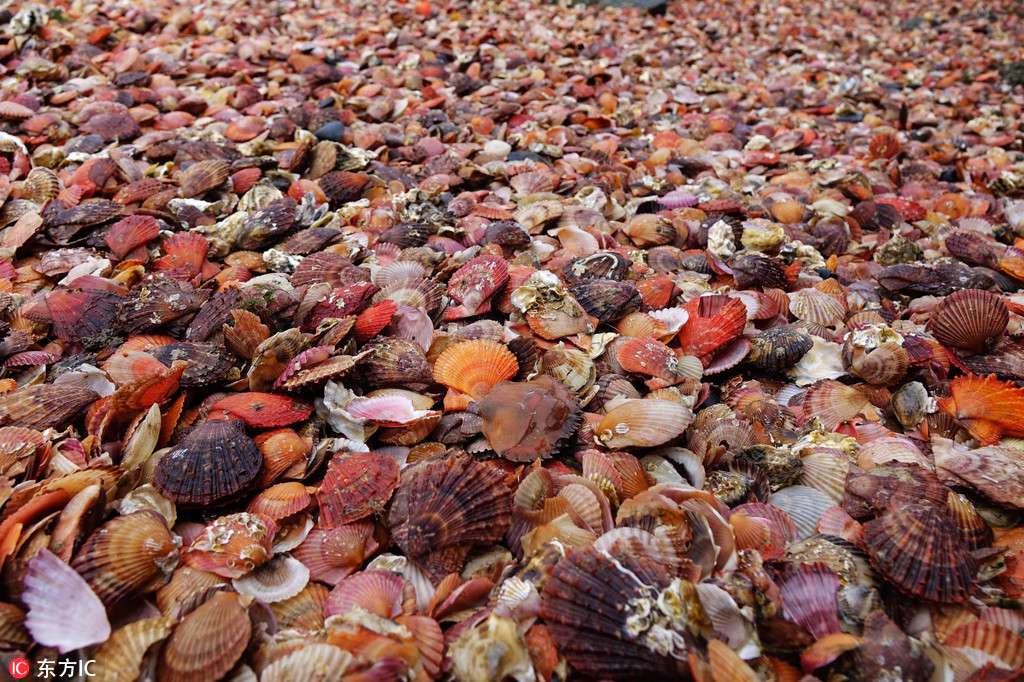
(970, 320)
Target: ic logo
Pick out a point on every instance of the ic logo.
(19, 668)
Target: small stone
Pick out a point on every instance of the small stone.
(332, 131)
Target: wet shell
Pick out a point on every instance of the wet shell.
(970, 319)
(917, 549)
(44, 405)
(208, 642)
(527, 421)
(356, 485)
(264, 410)
(203, 176)
(606, 299)
(778, 348)
(475, 367)
(129, 555)
(643, 423)
(213, 464)
(443, 508)
(587, 604)
(809, 599)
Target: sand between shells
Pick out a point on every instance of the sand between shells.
(512, 341)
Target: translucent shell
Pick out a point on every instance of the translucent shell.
(312, 662)
(278, 579)
(213, 464)
(970, 320)
(778, 348)
(588, 604)
(643, 423)
(356, 485)
(527, 421)
(475, 367)
(443, 508)
(917, 548)
(987, 407)
(264, 410)
(208, 642)
(127, 556)
(50, 588)
(713, 322)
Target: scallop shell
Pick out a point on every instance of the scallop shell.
(986, 407)
(803, 505)
(304, 611)
(264, 410)
(203, 176)
(280, 578)
(825, 471)
(778, 348)
(356, 485)
(232, 545)
(44, 406)
(917, 549)
(475, 282)
(334, 553)
(129, 233)
(120, 658)
(833, 403)
(329, 267)
(713, 322)
(378, 592)
(572, 367)
(187, 589)
(50, 587)
(127, 556)
(809, 599)
(475, 367)
(527, 421)
(312, 662)
(245, 334)
(588, 604)
(996, 472)
(213, 464)
(208, 642)
(643, 423)
(970, 319)
(601, 265)
(282, 500)
(992, 640)
(395, 362)
(811, 305)
(341, 187)
(272, 356)
(606, 299)
(443, 508)
(882, 366)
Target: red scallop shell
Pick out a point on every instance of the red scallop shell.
(714, 321)
(264, 410)
(373, 320)
(130, 233)
(355, 486)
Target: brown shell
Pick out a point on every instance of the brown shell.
(158, 301)
(443, 508)
(213, 464)
(341, 187)
(970, 319)
(356, 485)
(974, 248)
(44, 406)
(245, 334)
(203, 176)
(272, 357)
(329, 267)
(601, 265)
(120, 658)
(607, 299)
(755, 271)
(527, 421)
(917, 548)
(267, 225)
(207, 363)
(883, 366)
(586, 604)
(778, 348)
(127, 556)
(395, 362)
(208, 641)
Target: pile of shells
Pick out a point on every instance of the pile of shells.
(512, 341)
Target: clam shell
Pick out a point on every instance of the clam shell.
(917, 549)
(208, 642)
(127, 556)
(970, 319)
(213, 464)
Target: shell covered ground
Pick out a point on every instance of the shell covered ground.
(375, 341)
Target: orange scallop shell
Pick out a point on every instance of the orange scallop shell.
(264, 410)
(713, 321)
(208, 641)
(475, 367)
(987, 407)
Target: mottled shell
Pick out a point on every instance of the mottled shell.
(778, 348)
(356, 485)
